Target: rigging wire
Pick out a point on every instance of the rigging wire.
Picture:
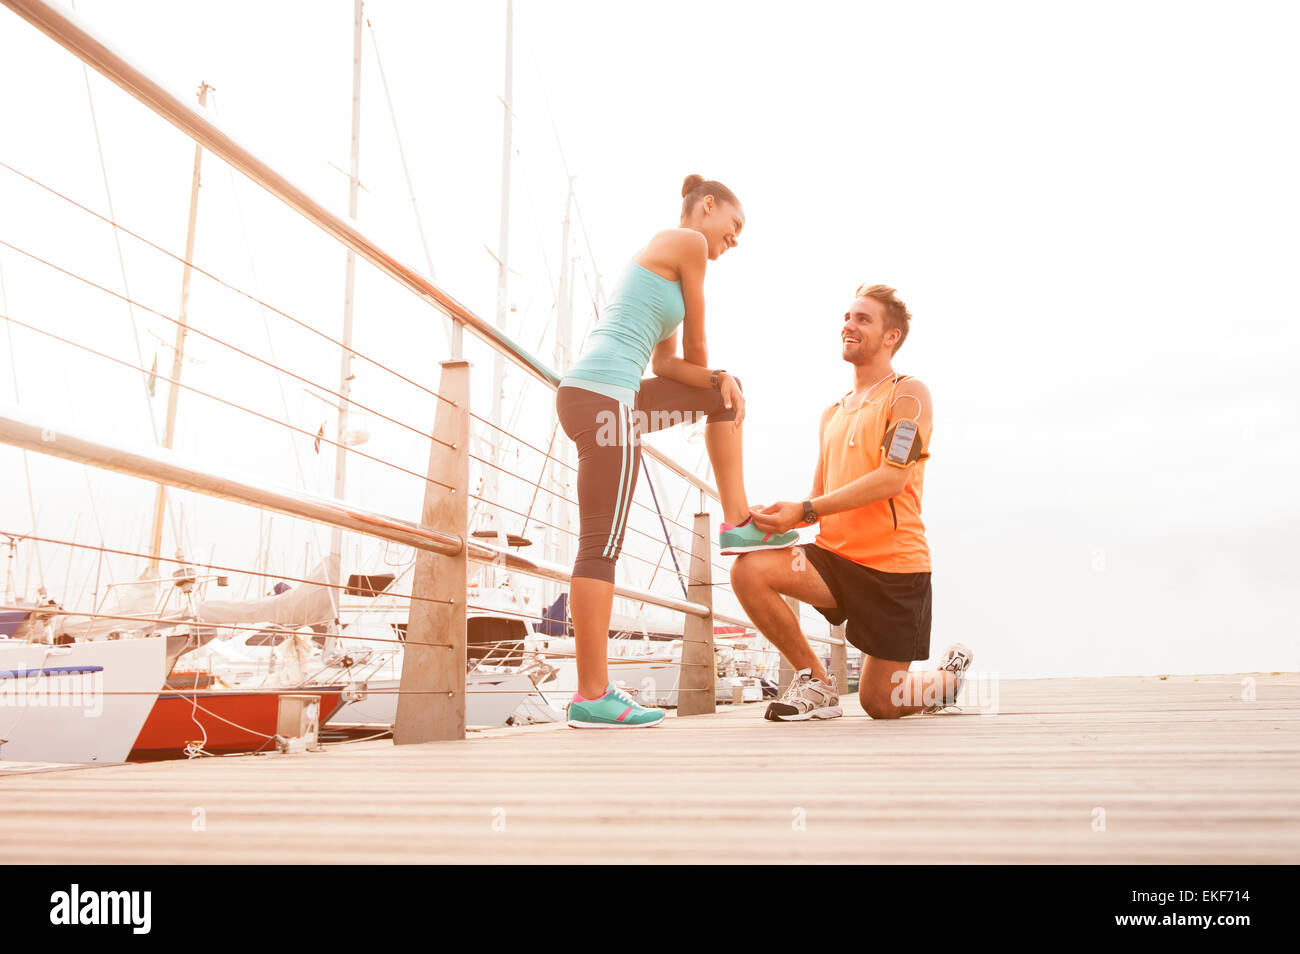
(126, 287)
(401, 153)
(266, 326)
(177, 622)
(233, 404)
(27, 470)
(220, 568)
(227, 285)
(226, 344)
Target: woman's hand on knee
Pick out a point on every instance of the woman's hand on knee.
(732, 396)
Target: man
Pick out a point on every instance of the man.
(870, 564)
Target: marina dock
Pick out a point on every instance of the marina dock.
(1184, 769)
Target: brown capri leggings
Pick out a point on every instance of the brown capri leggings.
(609, 456)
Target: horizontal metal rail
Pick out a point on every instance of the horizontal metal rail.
(66, 29)
(19, 429)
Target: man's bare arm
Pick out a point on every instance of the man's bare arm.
(912, 402)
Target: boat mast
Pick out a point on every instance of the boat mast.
(178, 352)
(349, 287)
(557, 544)
(503, 260)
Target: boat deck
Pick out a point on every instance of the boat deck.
(1069, 770)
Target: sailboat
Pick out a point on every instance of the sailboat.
(67, 698)
(228, 696)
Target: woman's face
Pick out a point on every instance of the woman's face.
(720, 222)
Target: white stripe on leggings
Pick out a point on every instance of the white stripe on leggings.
(624, 483)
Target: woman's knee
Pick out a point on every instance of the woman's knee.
(593, 567)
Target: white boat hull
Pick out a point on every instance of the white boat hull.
(62, 703)
(652, 682)
(491, 699)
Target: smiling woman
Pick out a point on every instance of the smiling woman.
(661, 288)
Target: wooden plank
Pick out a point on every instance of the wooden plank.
(1184, 769)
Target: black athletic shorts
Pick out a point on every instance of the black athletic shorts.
(888, 614)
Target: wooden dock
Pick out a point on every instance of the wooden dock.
(1146, 770)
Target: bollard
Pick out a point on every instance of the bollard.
(840, 660)
(699, 666)
(787, 671)
(431, 705)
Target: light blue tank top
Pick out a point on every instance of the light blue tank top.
(644, 310)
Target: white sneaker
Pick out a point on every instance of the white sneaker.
(806, 698)
(957, 659)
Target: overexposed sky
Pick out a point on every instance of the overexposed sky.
(1090, 208)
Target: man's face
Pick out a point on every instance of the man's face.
(863, 334)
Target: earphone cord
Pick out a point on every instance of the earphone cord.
(864, 402)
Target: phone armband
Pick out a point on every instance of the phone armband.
(902, 444)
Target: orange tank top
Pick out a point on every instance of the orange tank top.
(887, 535)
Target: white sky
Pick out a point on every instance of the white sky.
(1091, 210)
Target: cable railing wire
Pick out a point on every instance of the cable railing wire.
(227, 285)
(191, 329)
(563, 463)
(229, 403)
(217, 568)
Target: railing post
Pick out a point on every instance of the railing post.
(696, 682)
(839, 660)
(431, 706)
(787, 671)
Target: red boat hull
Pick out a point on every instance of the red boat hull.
(231, 721)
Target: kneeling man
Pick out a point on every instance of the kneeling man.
(870, 564)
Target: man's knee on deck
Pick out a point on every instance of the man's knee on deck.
(877, 703)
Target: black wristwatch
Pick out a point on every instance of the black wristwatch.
(809, 514)
(715, 379)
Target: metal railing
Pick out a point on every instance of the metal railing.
(432, 704)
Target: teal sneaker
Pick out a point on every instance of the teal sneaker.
(747, 537)
(614, 710)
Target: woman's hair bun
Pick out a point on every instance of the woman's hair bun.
(692, 183)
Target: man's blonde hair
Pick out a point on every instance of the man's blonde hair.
(896, 313)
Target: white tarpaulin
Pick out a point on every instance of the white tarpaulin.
(303, 605)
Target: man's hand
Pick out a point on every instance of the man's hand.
(732, 397)
(778, 517)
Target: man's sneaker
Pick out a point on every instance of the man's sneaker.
(614, 710)
(956, 658)
(747, 537)
(806, 698)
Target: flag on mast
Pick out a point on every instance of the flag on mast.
(153, 375)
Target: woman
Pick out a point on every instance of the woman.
(603, 406)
